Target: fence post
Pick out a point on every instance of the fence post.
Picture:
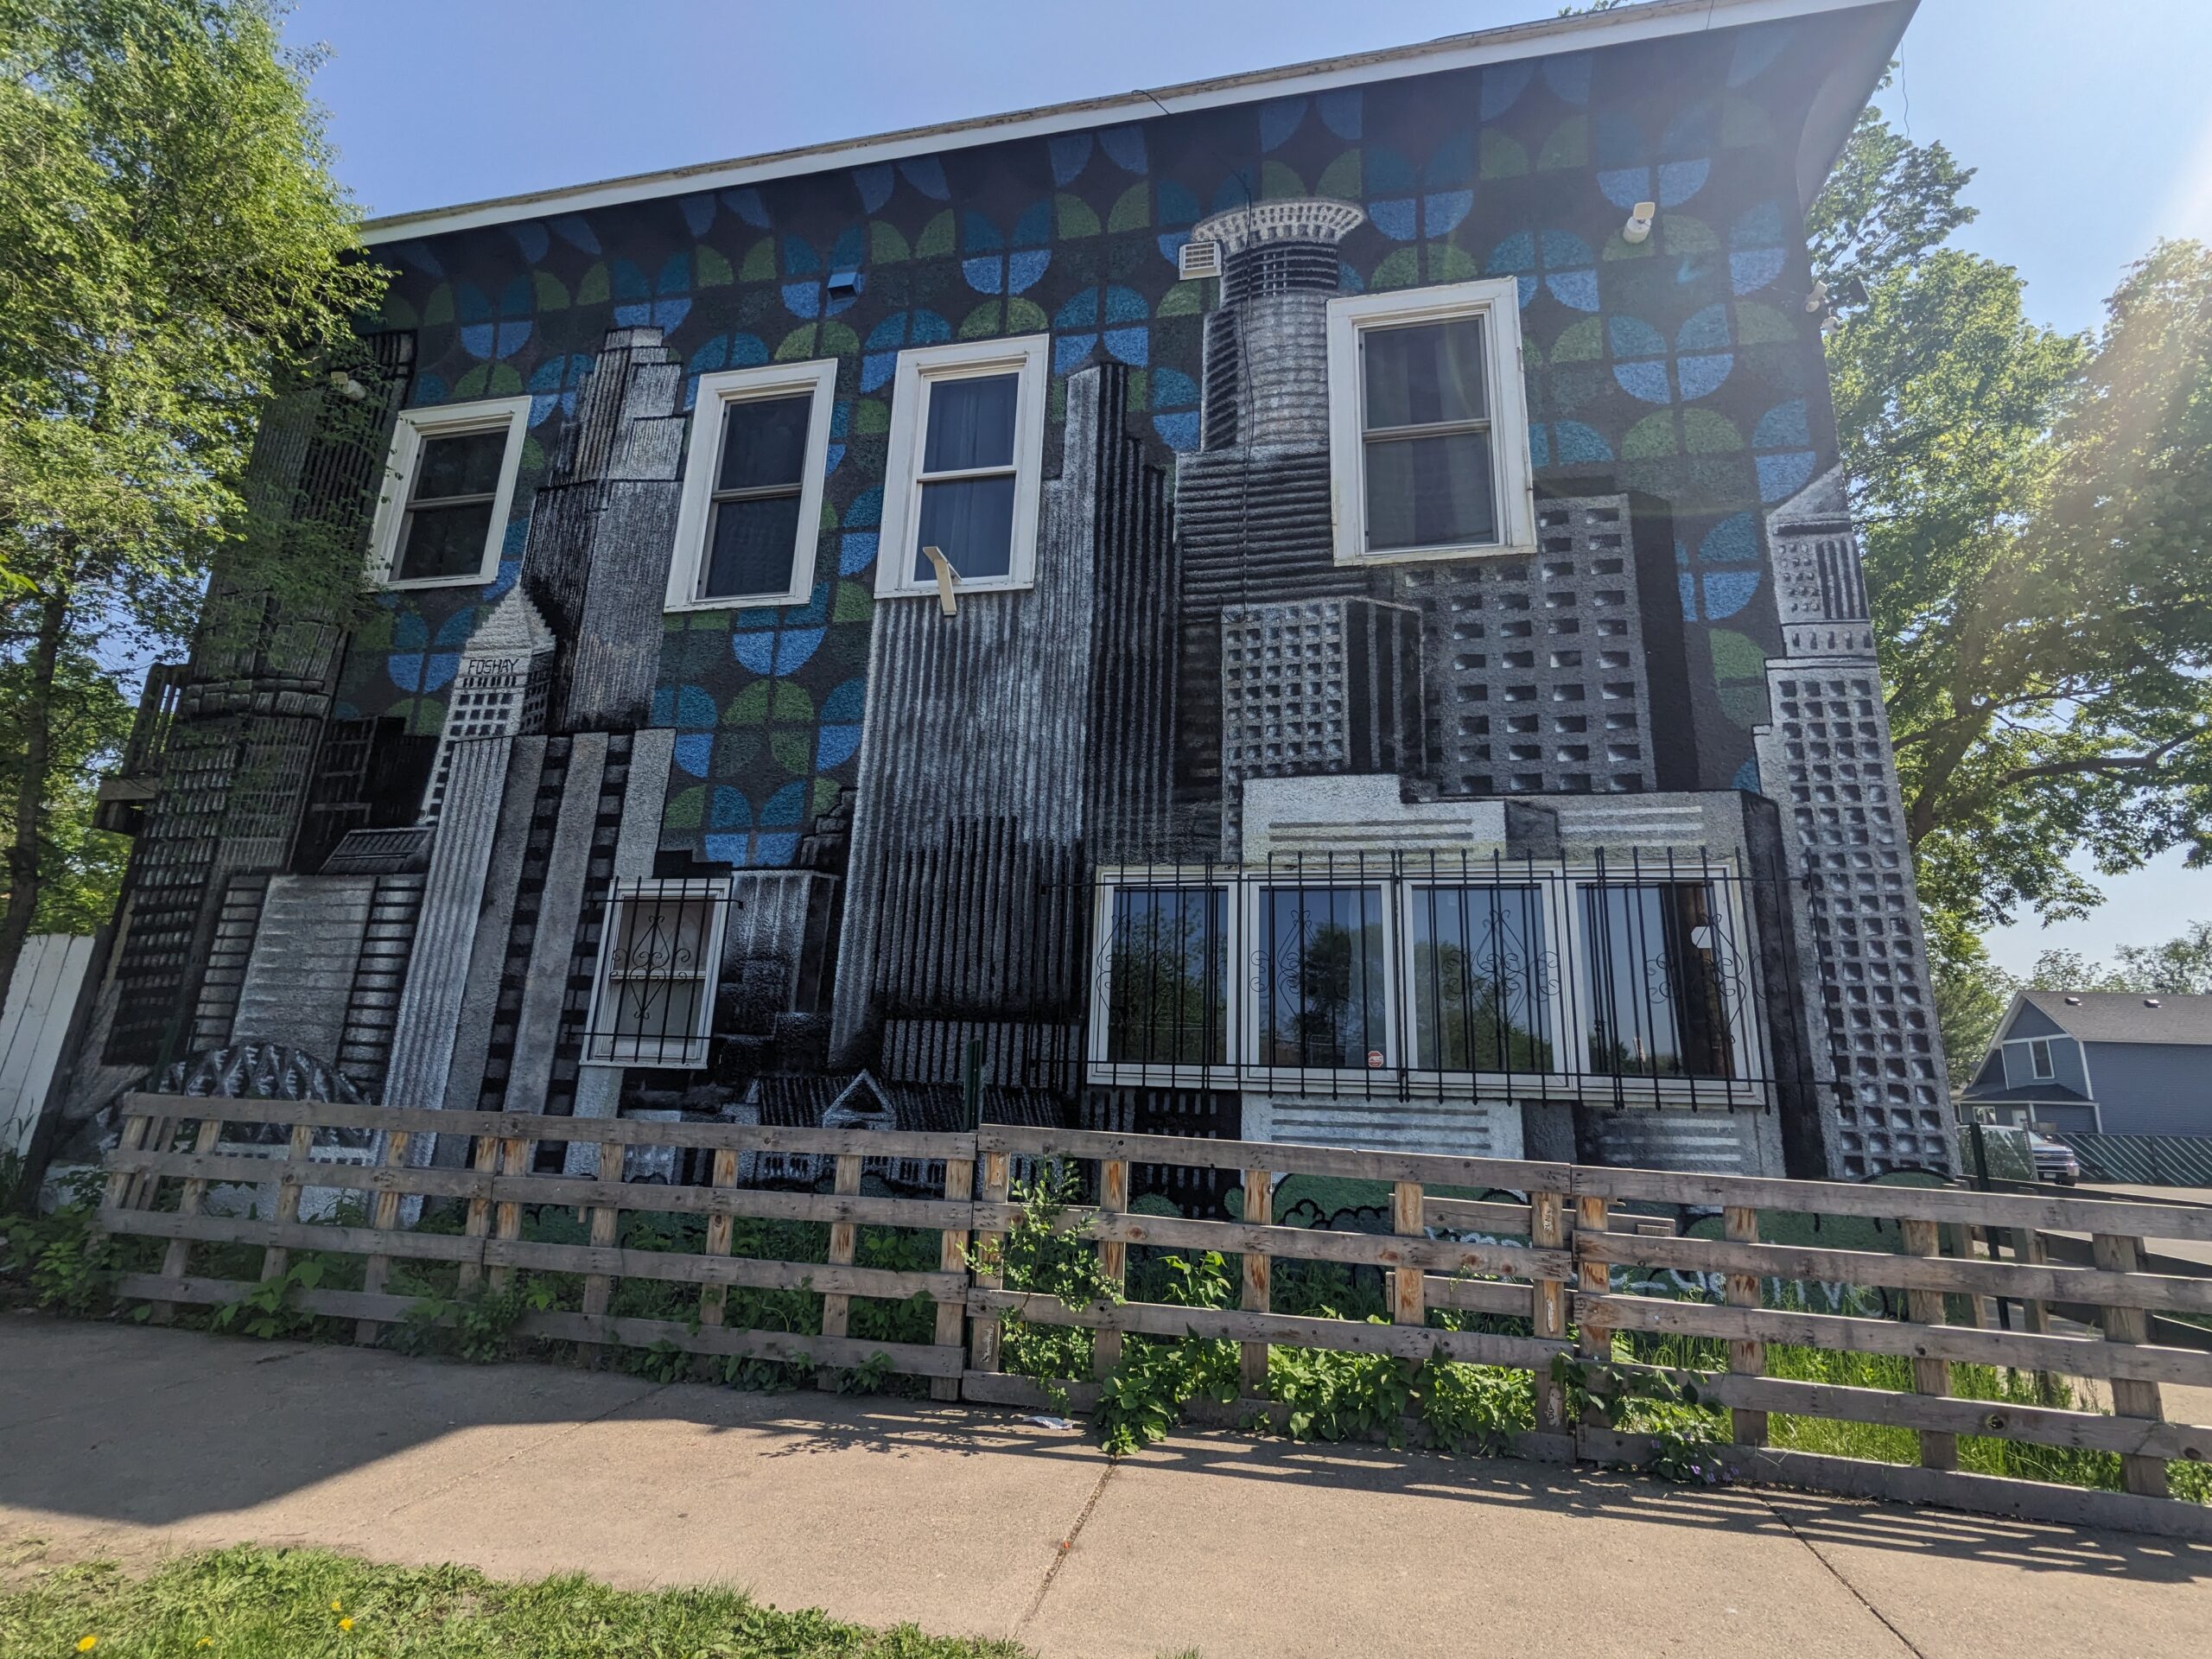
(953, 1257)
(514, 1160)
(2131, 1396)
(1746, 1357)
(1593, 1341)
(484, 1159)
(1409, 1293)
(190, 1197)
(712, 1299)
(276, 1258)
(1259, 1207)
(122, 1190)
(1548, 1231)
(384, 1217)
(983, 1333)
(1939, 1448)
(605, 1229)
(1113, 1257)
(844, 1240)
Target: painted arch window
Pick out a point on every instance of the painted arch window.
(964, 472)
(752, 506)
(659, 960)
(1428, 425)
(450, 485)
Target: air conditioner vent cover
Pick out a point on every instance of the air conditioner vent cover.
(1198, 259)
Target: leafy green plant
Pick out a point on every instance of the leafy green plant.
(761, 1376)
(269, 1311)
(1339, 1397)
(868, 1376)
(665, 1361)
(1474, 1410)
(1043, 1252)
(1686, 1435)
(68, 1261)
(476, 1324)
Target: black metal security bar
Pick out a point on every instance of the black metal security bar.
(653, 993)
(1626, 977)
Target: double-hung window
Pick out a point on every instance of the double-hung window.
(451, 481)
(2039, 1060)
(659, 958)
(965, 464)
(1429, 427)
(752, 506)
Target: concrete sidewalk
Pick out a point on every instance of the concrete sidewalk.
(134, 1443)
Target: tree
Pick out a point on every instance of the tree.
(2035, 508)
(174, 254)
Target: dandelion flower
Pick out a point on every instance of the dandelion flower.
(336, 1606)
(87, 1643)
(205, 1641)
(345, 1623)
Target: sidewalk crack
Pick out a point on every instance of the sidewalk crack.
(1065, 1549)
(1836, 1572)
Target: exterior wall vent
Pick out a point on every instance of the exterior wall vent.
(1197, 258)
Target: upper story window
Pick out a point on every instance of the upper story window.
(659, 958)
(965, 464)
(1428, 426)
(2039, 1061)
(752, 509)
(450, 485)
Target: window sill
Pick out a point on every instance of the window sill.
(963, 589)
(1437, 555)
(408, 584)
(740, 602)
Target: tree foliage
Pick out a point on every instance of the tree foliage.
(173, 252)
(2035, 508)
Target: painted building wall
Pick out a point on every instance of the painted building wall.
(1679, 420)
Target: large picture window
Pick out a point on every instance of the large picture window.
(450, 485)
(752, 506)
(1167, 967)
(659, 961)
(963, 472)
(1483, 979)
(1656, 980)
(1429, 424)
(1323, 977)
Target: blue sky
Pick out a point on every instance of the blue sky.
(2087, 125)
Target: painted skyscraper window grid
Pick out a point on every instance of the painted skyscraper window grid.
(913, 799)
(1681, 366)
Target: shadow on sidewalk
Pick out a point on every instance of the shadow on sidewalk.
(147, 1427)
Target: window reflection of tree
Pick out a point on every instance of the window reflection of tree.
(1658, 980)
(1322, 976)
(1481, 979)
(1167, 971)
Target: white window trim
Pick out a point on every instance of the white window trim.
(1233, 1010)
(1551, 895)
(686, 571)
(715, 893)
(1497, 301)
(902, 495)
(1255, 991)
(442, 420)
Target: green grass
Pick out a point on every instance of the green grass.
(251, 1602)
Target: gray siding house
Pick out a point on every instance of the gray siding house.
(2101, 1063)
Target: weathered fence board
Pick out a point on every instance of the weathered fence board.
(2083, 1259)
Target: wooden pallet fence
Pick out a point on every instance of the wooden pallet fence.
(1578, 1256)
(497, 1191)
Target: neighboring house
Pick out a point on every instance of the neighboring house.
(2100, 1062)
(1319, 604)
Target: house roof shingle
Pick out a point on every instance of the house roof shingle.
(2127, 1017)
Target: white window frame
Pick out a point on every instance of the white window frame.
(1251, 894)
(686, 571)
(598, 1046)
(1234, 1017)
(2042, 1061)
(919, 369)
(413, 428)
(1558, 1005)
(1498, 302)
